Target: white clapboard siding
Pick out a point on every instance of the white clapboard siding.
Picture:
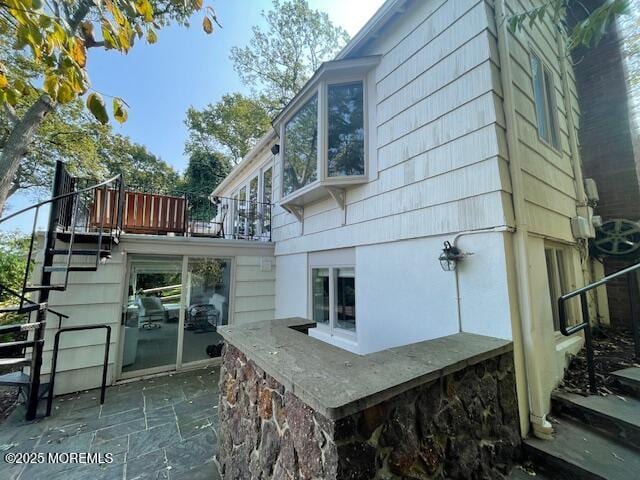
(96, 298)
(442, 158)
(254, 290)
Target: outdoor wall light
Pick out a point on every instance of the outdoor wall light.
(449, 257)
(275, 149)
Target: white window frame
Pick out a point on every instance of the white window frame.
(235, 195)
(332, 329)
(321, 89)
(559, 279)
(550, 105)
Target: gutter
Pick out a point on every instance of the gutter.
(542, 428)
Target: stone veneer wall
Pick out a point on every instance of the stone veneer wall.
(462, 426)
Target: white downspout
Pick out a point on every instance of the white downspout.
(537, 414)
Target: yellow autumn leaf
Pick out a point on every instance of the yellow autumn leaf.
(207, 25)
(79, 52)
(145, 9)
(4, 82)
(197, 4)
(151, 36)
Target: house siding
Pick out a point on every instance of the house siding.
(437, 146)
(96, 298)
(548, 176)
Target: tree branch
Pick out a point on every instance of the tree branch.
(11, 113)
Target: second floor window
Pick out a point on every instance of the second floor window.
(324, 139)
(300, 165)
(544, 98)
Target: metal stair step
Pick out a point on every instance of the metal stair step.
(26, 308)
(16, 379)
(21, 327)
(71, 268)
(37, 288)
(613, 415)
(19, 344)
(80, 251)
(577, 452)
(15, 362)
(628, 379)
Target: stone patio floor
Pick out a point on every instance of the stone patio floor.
(158, 428)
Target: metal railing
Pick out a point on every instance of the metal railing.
(54, 360)
(198, 216)
(585, 325)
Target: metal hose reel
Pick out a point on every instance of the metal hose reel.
(617, 238)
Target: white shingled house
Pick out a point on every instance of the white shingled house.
(425, 182)
(436, 132)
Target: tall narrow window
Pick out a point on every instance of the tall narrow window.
(558, 280)
(345, 154)
(345, 299)
(266, 199)
(543, 93)
(333, 291)
(300, 162)
(252, 210)
(320, 292)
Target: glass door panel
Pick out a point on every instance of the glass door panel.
(252, 208)
(152, 313)
(208, 285)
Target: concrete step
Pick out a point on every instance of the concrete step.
(628, 380)
(617, 416)
(577, 452)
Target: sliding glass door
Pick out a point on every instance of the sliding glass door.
(207, 306)
(152, 314)
(172, 312)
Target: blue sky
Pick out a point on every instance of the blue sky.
(185, 67)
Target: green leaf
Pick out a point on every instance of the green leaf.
(65, 93)
(96, 106)
(119, 111)
(50, 85)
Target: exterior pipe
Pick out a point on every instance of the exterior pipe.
(502, 228)
(537, 411)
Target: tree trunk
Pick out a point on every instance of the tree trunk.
(18, 142)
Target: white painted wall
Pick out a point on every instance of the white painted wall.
(291, 286)
(96, 298)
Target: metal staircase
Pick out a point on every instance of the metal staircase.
(83, 221)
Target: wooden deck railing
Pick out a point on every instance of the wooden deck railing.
(146, 213)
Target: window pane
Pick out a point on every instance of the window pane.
(549, 88)
(538, 93)
(266, 201)
(554, 290)
(320, 287)
(346, 299)
(208, 286)
(300, 162)
(152, 312)
(346, 130)
(252, 207)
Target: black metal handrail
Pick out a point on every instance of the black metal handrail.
(54, 361)
(585, 325)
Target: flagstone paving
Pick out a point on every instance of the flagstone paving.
(163, 428)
